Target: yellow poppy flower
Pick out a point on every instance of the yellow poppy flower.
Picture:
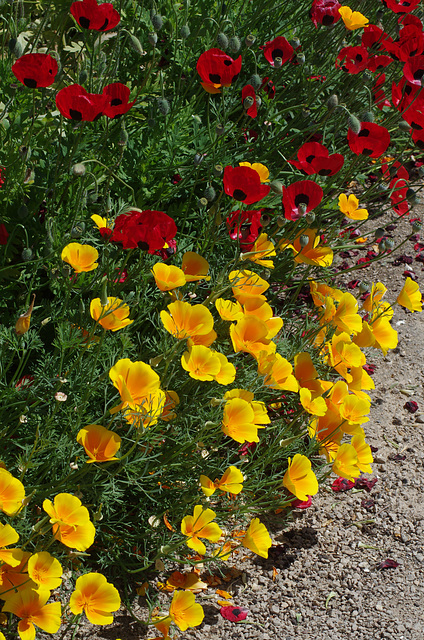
(262, 250)
(349, 207)
(81, 257)
(257, 538)
(45, 570)
(31, 606)
(113, 315)
(352, 19)
(12, 493)
(96, 597)
(194, 267)
(184, 611)
(201, 363)
(231, 482)
(299, 478)
(71, 521)
(200, 525)
(99, 443)
(8, 536)
(229, 310)
(261, 169)
(410, 296)
(316, 407)
(363, 452)
(185, 320)
(168, 277)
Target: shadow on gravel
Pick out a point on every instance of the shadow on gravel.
(283, 555)
(211, 614)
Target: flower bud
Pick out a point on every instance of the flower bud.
(249, 40)
(22, 212)
(152, 38)
(222, 40)
(210, 194)
(281, 221)
(354, 124)
(234, 44)
(157, 22)
(248, 102)
(278, 62)
(258, 101)
(77, 230)
(27, 254)
(136, 45)
(78, 170)
(66, 270)
(300, 58)
(416, 226)
(83, 76)
(379, 233)
(302, 208)
(123, 136)
(198, 159)
(156, 360)
(368, 116)
(185, 31)
(404, 126)
(219, 129)
(216, 402)
(218, 170)
(412, 197)
(163, 106)
(202, 202)
(390, 244)
(303, 241)
(310, 217)
(363, 287)
(276, 187)
(295, 43)
(255, 81)
(15, 47)
(332, 102)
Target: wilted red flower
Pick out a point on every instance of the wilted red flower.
(269, 87)
(246, 226)
(364, 483)
(277, 48)
(303, 192)
(388, 564)
(4, 234)
(234, 614)
(35, 70)
(325, 12)
(118, 95)
(244, 184)
(313, 157)
(341, 484)
(372, 140)
(401, 6)
(302, 504)
(411, 406)
(217, 69)
(75, 103)
(248, 91)
(97, 17)
(352, 59)
(147, 230)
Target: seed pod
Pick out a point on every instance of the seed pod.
(412, 197)
(368, 116)
(77, 230)
(136, 45)
(248, 102)
(258, 101)
(265, 220)
(278, 62)
(363, 287)
(222, 40)
(294, 42)
(198, 158)
(218, 170)
(249, 40)
(390, 244)
(281, 221)
(255, 81)
(276, 187)
(163, 106)
(234, 44)
(310, 217)
(15, 47)
(202, 202)
(219, 129)
(303, 240)
(302, 208)
(152, 38)
(354, 124)
(185, 31)
(416, 226)
(379, 233)
(27, 254)
(78, 169)
(157, 22)
(83, 76)
(210, 194)
(332, 102)
(300, 58)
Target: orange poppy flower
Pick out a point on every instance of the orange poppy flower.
(71, 521)
(99, 443)
(113, 315)
(200, 525)
(168, 277)
(12, 493)
(195, 267)
(32, 608)
(96, 597)
(185, 320)
(81, 257)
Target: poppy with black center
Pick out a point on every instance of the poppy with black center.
(414, 116)
(75, 103)
(325, 12)
(413, 70)
(372, 140)
(398, 199)
(374, 38)
(410, 42)
(249, 92)
(300, 197)
(418, 138)
(375, 63)
(403, 94)
(118, 94)
(269, 87)
(245, 226)
(93, 16)
(244, 184)
(277, 48)
(217, 69)
(146, 230)
(35, 70)
(313, 157)
(352, 59)
(401, 6)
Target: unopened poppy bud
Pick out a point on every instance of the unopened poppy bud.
(248, 102)
(249, 40)
(78, 170)
(310, 217)
(278, 62)
(26, 254)
(300, 58)
(302, 208)
(303, 240)
(379, 233)
(218, 170)
(198, 158)
(390, 244)
(404, 126)
(202, 202)
(163, 106)
(412, 197)
(210, 194)
(185, 31)
(265, 220)
(15, 47)
(222, 40)
(234, 44)
(219, 129)
(416, 226)
(216, 402)
(66, 270)
(136, 44)
(157, 22)
(368, 116)
(123, 136)
(276, 187)
(210, 425)
(363, 287)
(22, 212)
(78, 230)
(382, 246)
(155, 361)
(83, 77)
(280, 221)
(354, 124)
(152, 38)
(23, 322)
(255, 81)
(332, 102)
(258, 101)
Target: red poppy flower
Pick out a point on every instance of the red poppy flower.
(147, 230)
(352, 59)
(404, 93)
(313, 157)
(245, 226)
(35, 70)
(118, 95)
(401, 6)
(409, 19)
(244, 184)
(410, 42)
(325, 12)
(304, 192)
(1, 179)
(372, 140)
(97, 17)
(217, 69)
(396, 170)
(418, 138)
(398, 197)
(413, 70)
(277, 48)
(380, 98)
(374, 38)
(234, 614)
(75, 103)
(248, 91)
(375, 63)
(3, 234)
(414, 116)
(269, 87)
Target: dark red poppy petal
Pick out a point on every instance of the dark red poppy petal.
(277, 48)
(35, 70)
(234, 614)
(372, 140)
(93, 16)
(325, 12)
